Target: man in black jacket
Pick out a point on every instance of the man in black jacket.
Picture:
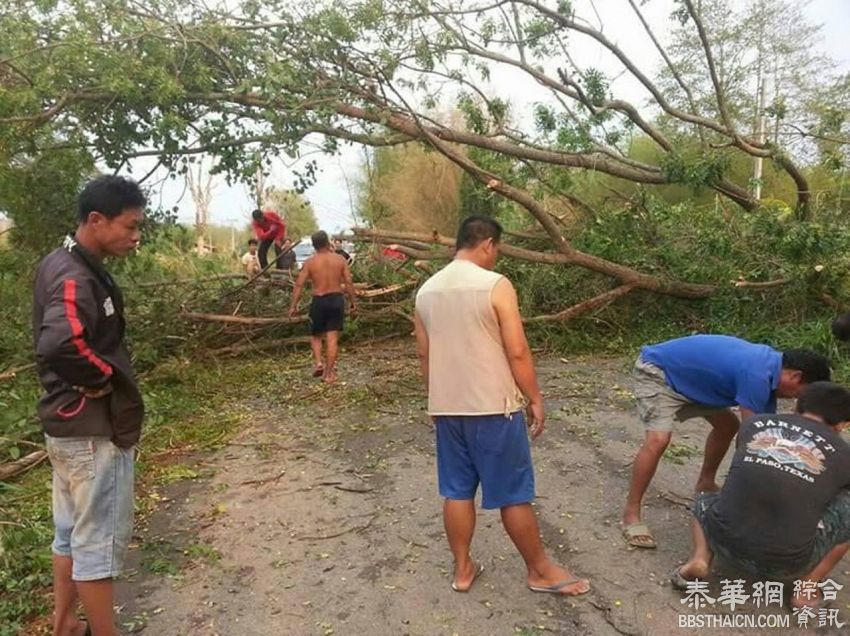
(92, 410)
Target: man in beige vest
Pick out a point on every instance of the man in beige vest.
(478, 366)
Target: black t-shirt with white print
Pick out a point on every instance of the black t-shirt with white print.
(785, 471)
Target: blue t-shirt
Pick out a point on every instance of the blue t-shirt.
(719, 371)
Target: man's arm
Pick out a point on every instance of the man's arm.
(506, 305)
(266, 235)
(277, 227)
(421, 346)
(62, 343)
(299, 287)
(349, 286)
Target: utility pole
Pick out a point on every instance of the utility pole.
(759, 161)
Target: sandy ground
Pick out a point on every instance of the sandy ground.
(323, 518)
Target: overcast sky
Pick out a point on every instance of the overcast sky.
(334, 195)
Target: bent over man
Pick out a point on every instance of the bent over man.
(703, 376)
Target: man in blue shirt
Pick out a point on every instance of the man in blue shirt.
(703, 376)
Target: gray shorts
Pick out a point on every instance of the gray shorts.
(92, 504)
(658, 405)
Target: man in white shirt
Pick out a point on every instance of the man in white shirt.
(479, 371)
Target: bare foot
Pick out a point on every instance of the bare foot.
(318, 371)
(707, 486)
(76, 627)
(695, 569)
(463, 580)
(329, 377)
(557, 580)
(799, 601)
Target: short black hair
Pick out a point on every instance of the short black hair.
(475, 229)
(827, 400)
(841, 327)
(257, 214)
(110, 195)
(320, 240)
(813, 366)
(252, 242)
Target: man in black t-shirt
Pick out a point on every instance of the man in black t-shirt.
(784, 510)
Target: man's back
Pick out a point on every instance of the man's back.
(326, 271)
(786, 469)
(719, 371)
(469, 371)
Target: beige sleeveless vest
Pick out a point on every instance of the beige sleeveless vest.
(469, 372)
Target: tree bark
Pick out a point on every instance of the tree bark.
(625, 274)
(583, 307)
(19, 466)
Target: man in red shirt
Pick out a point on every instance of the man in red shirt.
(269, 229)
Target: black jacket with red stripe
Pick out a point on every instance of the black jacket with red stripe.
(78, 329)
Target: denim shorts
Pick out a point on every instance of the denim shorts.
(492, 450)
(92, 504)
(833, 529)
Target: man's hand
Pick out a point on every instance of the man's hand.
(292, 312)
(93, 394)
(536, 419)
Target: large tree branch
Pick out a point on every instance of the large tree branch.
(330, 131)
(672, 67)
(598, 162)
(575, 257)
(630, 66)
(583, 307)
(720, 95)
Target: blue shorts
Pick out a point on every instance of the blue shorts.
(492, 450)
(92, 504)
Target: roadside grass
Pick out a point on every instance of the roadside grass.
(191, 407)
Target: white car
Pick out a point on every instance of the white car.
(303, 251)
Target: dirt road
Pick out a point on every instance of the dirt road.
(323, 518)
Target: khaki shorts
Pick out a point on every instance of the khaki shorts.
(658, 405)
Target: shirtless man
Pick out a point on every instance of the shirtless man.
(327, 272)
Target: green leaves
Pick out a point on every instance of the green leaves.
(565, 8)
(704, 170)
(595, 86)
(544, 118)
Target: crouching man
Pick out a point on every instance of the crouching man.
(784, 511)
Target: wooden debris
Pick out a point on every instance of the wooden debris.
(355, 528)
(11, 374)
(22, 465)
